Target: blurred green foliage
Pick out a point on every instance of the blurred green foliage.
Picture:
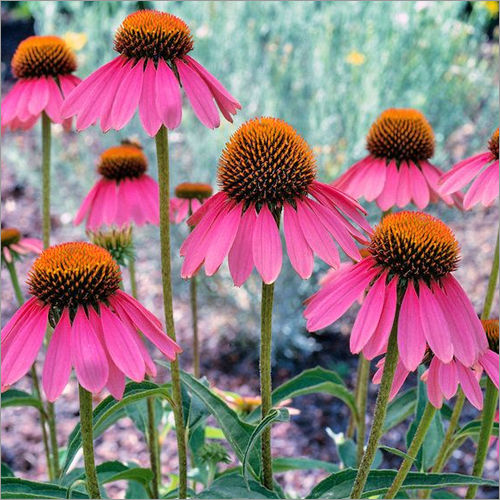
(328, 68)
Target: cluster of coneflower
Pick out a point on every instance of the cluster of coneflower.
(413, 310)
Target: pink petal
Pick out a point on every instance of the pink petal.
(100, 208)
(87, 354)
(240, 257)
(148, 113)
(199, 95)
(400, 375)
(374, 179)
(448, 379)
(116, 380)
(130, 203)
(86, 204)
(128, 95)
(299, 251)
(39, 95)
(470, 386)
(57, 365)
(9, 103)
(433, 389)
(433, 175)
(462, 173)
(489, 361)
(168, 96)
(411, 337)
(404, 189)
(418, 187)
(351, 181)
(434, 324)
(484, 188)
(369, 315)
(54, 102)
(148, 191)
(266, 246)
(205, 208)
(317, 235)
(388, 197)
(22, 109)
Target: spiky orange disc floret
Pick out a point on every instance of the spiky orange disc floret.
(121, 162)
(43, 56)
(493, 144)
(153, 35)
(193, 190)
(74, 274)
(491, 328)
(402, 135)
(414, 245)
(10, 235)
(266, 160)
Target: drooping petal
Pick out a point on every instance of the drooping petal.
(87, 354)
(39, 95)
(433, 389)
(462, 173)
(116, 380)
(411, 337)
(374, 179)
(54, 102)
(418, 187)
(369, 315)
(86, 204)
(403, 196)
(299, 251)
(168, 96)
(266, 246)
(104, 197)
(57, 365)
(400, 375)
(448, 379)
(489, 361)
(470, 386)
(434, 324)
(148, 113)
(388, 196)
(240, 257)
(484, 188)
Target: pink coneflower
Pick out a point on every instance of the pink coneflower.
(483, 168)
(267, 168)
(412, 256)
(397, 170)
(75, 286)
(189, 196)
(147, 75)
(43, 66)
(14, 245)
(125, 194)
(443, 379)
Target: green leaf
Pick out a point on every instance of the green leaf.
(15, 487)
(234, 486)
(472, 429)
(395, 451)
(7, 471)
(400, 409)
(108, 411)
(273, 416)
(312, 381)
(15, 397)
(136, 491)
(237, 432)
(285, 464)
(213, 433)
(347, 452)
(138, 413)
(339, 484)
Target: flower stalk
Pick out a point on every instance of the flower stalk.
(391, 360)
(194, 315)
(413, 450)
(46, 126)
(91, 480)
(163, 181)
(265, 379)
(362, 392)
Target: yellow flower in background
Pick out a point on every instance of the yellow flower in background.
(491, 7)
(355, 58)
(76, 41)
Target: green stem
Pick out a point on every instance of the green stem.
(196, 341)
(46, 179)
(391, 360)
(51, 420)
(91, 480)
(34, 376)
(163, 181)
(489, 408)
(492, 283)
(133, 281)
(414, 448)
(351, 426)
(362, 384)
(265, 379)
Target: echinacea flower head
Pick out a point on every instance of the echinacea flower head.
(148, 75)
(482, 170)
(189, 196)
(117, 241)
(397, 170)
(125, 194)
(14, 245)
(76, 287)
(411, 260)
(443, 379)
(44, 67)
(265, 169)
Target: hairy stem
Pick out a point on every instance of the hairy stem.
(163, 181)
(91, 481)
(413, 450)
(196, 341)
(46, 179)
(265, 379)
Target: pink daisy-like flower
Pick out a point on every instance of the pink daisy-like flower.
(14, 245)
(43, 66)
(442, 379)
(397, 170)
(147, 75)
(75, 286)
(483, 168)
(189, 197)
(124, 194)
(411, 256)
(267, 168)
